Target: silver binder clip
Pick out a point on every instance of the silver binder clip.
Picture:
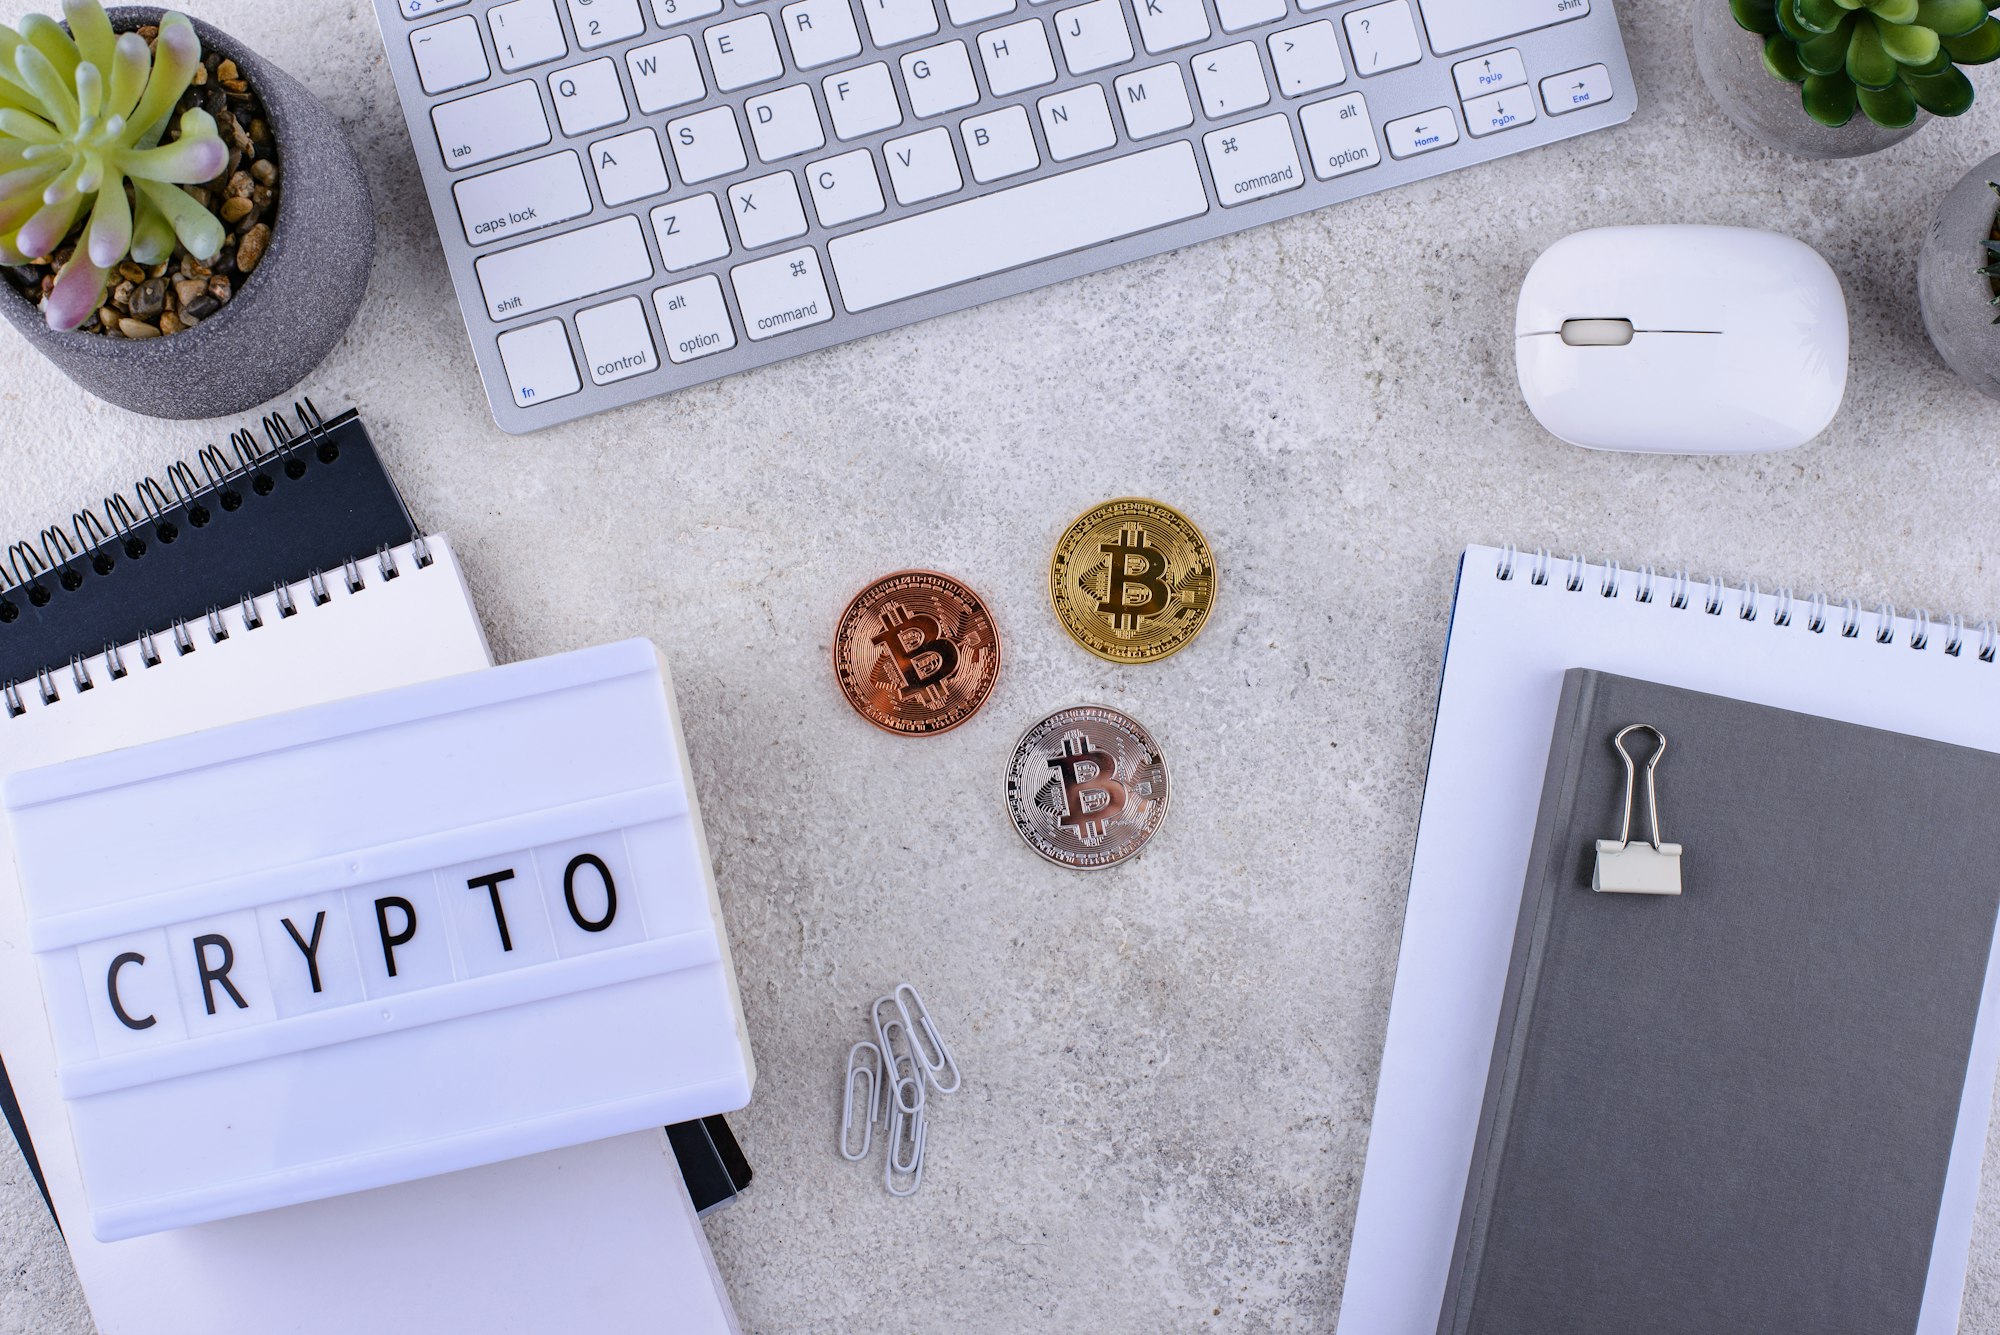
(1651, 868)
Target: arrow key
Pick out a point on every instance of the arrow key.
(1499, 111)
(1489, 73)
(1424, 132)
(1576, 89)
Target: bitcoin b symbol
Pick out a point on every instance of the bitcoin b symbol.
(1078, 814)
(899, 623)
(1150, 577)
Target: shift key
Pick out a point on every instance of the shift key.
(564, 268)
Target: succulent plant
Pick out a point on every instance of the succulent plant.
(82, 115)
(1884, 58)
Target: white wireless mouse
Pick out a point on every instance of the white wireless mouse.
(1682, 340)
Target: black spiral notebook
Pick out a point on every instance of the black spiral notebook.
(306, 501)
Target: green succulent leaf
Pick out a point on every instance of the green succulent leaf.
(198, 155)
(78, 287)
(1867, 63)
(1827, 53)
(1946, 94)
(1895, 11)
(1787, 14)
(1978, 47)
(45, 35)
(1781, 58)
(91, 28)
(109, 234)
(1892, 108)
(51, 87)
(1819, 16)
(131, 63)
(1951, 18)
(1913, 44)
(152, 234)
(1828, 98)
(197, 228)
(176, 52)
(1758, 16)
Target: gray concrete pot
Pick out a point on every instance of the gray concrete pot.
(1731, 62)
(1956, 300)
(291, 310)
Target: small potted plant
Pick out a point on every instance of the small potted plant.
(184, 230)
(1839, 78)
(1958, 278)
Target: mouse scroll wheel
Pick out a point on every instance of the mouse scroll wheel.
(1597, 333)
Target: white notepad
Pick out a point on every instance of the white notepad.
(1519, 623)
(601, 1237)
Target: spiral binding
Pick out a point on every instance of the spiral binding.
(1815, 613)
(27, 563)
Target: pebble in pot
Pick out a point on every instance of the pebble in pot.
(239, 282)
(1958, 278)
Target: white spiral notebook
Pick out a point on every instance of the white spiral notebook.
(1519, 623)
(601, 1237)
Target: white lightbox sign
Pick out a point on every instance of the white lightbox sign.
(379, 939)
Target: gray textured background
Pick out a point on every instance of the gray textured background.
(1169, 1066)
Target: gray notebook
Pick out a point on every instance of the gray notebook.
(1731, 1109)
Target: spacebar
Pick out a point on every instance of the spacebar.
(1017, 226)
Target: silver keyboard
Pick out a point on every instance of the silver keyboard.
(639, 195)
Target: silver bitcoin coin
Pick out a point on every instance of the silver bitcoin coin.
(1087, 787)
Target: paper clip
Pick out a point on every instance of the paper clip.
(919, 1016)
(885, 1037)
(905, 1129)
(871, 1079)
(1652, 868)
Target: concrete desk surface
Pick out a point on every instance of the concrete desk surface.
(1169, 1066)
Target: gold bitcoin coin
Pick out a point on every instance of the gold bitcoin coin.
(1087, 787)
(916, 653)
(1132, 580)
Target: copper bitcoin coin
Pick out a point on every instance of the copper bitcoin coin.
(1087, 787)
(916, 653)
(1132, 580)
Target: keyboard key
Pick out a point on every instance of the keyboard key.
(783, 293)
(1253, 160)
(1236, 15)
(522, 198)
(588, 97)
(1489, 74)
(629, 166)
(1153, 101)
(974, 11)
(820, 31)
(1340, 137)
(1499, 111)
(694, 320)
(449, 55)
(1577, 89)
(563, 268)
(999, 144)
(707, 144)
(690, 232)
(598, 22)
(939, 79)
(416, 9)
(1307, 59)
(665, 74)
(667, 13)
(1076, 122)
(1384, 37)
(1425, 132)
(490, 125)
(617, 345)
(894, 21)
(1167, 24)
(539, 364)
(1017, 57)
(1094, 36)
(1019, 225)
(862, 101)
(1231, 80)
(922, 166)
(767, 210)
(526, 32)
(743, 52)
(845, 188)
(785, 123)
(1457, 24)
